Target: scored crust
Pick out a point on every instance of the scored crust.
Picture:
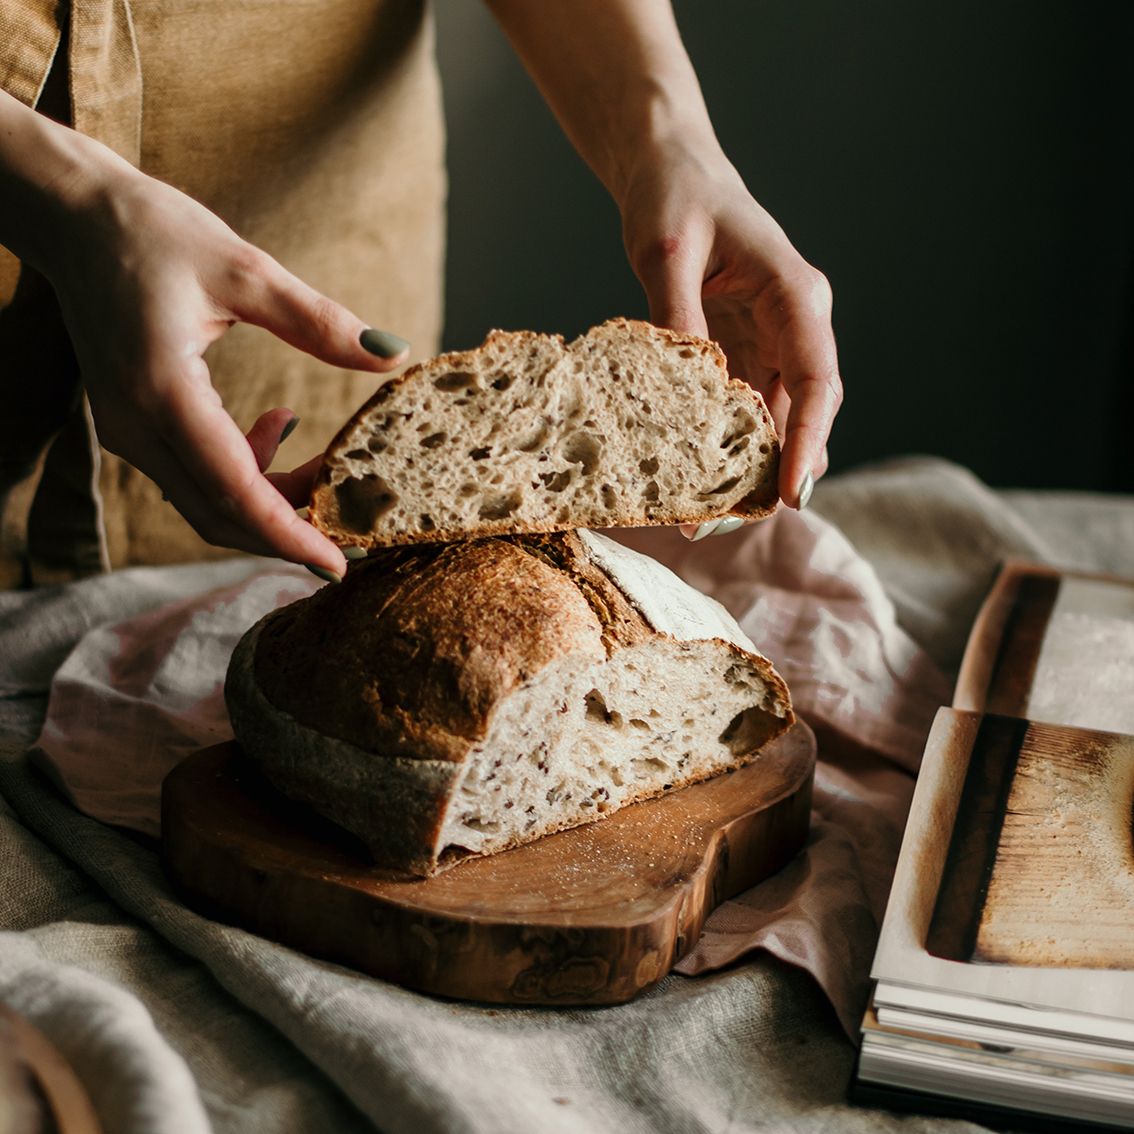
(628, 425)
(390, 702)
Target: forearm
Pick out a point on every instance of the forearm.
(46, 171)
(616, 75)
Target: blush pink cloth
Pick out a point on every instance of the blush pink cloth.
(133, 699)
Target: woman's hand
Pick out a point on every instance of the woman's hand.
(147, 278)
(715, 264)
(711, 259)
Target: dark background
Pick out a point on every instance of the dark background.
(961, 172)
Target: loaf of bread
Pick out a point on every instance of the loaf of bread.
(459, 699)
(627, 425)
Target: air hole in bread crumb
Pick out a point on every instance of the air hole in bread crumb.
(765, 448)
(357, 455)
(609, 497)
(686, 352)
(364, 500)
(724, 486)
(582, 449)
(468, 489)
(597, 710)
(742, 424)
(739, 447)
(376, 445)
(500, 505)
(426, 523)
(458, 380)
(745, 732)
(479, 454)
(502, 382)
(535, 439)
(433, 440)
(648, 766)
(652, 493)
(556, 482)
(649, 465)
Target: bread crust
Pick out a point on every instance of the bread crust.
(761, 501)
(367, 699)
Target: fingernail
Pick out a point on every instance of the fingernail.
(324, 573)
(806, 487)
(288, 429)
(728, 524)
(382, 343)
(302, 513)
(708, 528)
(354, 552)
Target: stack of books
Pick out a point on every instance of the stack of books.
(1004, 976)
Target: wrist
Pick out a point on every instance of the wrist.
(665, 132)
(50, 175)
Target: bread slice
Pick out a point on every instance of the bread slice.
(461, 699)
(628, 425)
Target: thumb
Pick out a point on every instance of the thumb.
(672, 273)
(300, 315)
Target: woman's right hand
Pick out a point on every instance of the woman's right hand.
(146, 279)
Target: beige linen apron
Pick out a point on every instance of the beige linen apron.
(313, 127)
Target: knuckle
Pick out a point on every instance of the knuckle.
(247, 270)
(818, 291)
(661, 252)
(323, 316)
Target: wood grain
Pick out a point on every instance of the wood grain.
(69, 1105)
(1040, 867)
(975, 839)
(593, 915)
(1062, 885)
(1004, 646)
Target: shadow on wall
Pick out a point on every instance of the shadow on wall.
(964, 174)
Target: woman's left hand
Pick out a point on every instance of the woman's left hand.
(714, 263)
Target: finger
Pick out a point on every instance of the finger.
(161, 465)
(269, 432)
(824, 463)
(779, 405)
(220, 461)
(295, 486)
(269, 296)
(672, 272)
(809, 372)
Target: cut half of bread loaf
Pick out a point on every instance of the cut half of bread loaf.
(461, 699)
(627, 425)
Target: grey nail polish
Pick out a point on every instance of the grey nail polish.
(288, 429)
(354, 552)
(324, 573)
(806, 487)
(728, 524)
(708, 528)
(382, 343)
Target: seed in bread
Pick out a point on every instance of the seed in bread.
(461, 699)
(627, 425)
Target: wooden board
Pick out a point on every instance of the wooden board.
(1040, 869)
(594, 915)
(57, 1089)
(1073, 1000)
(1054, 646)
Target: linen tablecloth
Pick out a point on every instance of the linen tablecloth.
(178, 1024)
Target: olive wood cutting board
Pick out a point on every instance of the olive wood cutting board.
(594, 915)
